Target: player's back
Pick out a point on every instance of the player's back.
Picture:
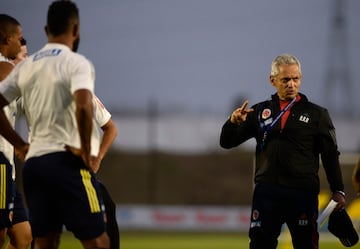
(47, 80)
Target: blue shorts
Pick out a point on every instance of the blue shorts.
(6, 192)
(59, 191)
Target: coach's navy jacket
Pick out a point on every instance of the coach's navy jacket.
(289, 157)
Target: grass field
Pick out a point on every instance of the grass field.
(142, 240)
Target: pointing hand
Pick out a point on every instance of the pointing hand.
(240, 114)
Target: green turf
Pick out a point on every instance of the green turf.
(183, 241)
(141, 240)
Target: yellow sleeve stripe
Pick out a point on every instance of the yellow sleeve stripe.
(3, 186)
(90, 191)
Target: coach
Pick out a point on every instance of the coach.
(291, 134)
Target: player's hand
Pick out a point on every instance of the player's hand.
(95, 164)
(21, 151)
(240, 114)
(340, 199)
(87, 159)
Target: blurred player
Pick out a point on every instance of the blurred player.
(57, 86)
(103, 120)
(291, 134)
(19, 232)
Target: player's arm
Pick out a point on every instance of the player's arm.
(7, 130)
(356, 178)
(84, 115)
(9, 133)
(109, 134)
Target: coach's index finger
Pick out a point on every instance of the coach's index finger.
(239, 115)
(243, 108)
(244, 105)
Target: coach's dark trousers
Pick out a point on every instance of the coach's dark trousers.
(274, 206)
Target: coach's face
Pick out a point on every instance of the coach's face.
(287, 82)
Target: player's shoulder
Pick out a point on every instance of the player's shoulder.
(78, 57)
(82, 60)
(57, 49)
(75, 61)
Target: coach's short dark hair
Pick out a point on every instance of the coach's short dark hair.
(8, 25)
(60, 15)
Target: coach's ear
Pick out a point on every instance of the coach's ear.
(272, 80)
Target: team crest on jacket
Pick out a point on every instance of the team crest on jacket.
(266, 113)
